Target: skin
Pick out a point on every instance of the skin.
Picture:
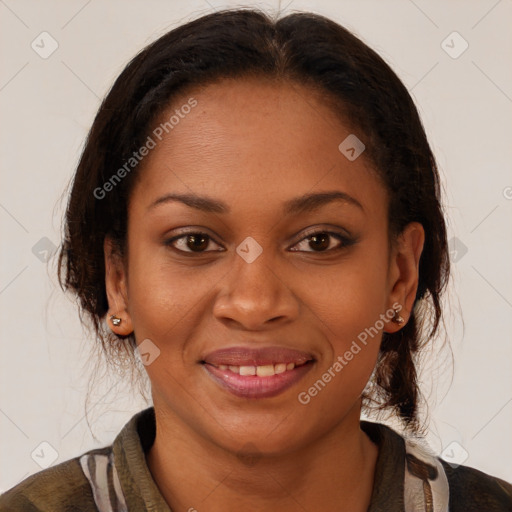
(255, 144)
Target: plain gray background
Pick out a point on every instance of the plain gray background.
(47, 104)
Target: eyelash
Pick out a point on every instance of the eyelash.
(345, 241)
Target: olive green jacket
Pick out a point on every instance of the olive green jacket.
(116, 479)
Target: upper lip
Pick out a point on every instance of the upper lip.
(245, 356)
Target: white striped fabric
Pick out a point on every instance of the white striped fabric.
(101, 472)
(426, 489)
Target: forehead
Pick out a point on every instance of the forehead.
(250, 140)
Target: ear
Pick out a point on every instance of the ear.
(403, 274)
(117, 289)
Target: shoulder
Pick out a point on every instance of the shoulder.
(60, 488)
(76, 485)
(463, 488)
(471, 489)
(415, 467)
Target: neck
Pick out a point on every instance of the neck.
(333, 473)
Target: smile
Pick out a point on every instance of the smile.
(260, 373)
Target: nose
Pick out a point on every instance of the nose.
(256, 295)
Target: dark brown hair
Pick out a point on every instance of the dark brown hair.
(302, 48)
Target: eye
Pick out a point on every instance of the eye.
(196, 242)
(321, 241)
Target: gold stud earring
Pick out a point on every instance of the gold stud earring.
(397, 318)
(115, 320)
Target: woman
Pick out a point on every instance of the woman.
(257, 215)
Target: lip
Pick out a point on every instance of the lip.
(254, 386)
(245, 356)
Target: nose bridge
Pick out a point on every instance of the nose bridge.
(254, 292)
(255, 273)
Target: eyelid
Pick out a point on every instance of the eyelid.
(339, 233)
(324, 229)
(191, 231)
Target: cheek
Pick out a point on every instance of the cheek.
(163, 298)
(352, 297)
(351, 309)
(350, 315)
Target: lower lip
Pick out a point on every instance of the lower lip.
(252, 386)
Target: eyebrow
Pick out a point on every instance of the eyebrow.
(305, 203)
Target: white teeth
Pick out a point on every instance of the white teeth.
(280, 367)
(266, 370)
(247, 370)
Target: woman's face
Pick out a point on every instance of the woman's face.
(233, 275)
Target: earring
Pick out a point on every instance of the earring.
(397, 318)
(115, 320)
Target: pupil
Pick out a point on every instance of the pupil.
(323, 238)
(198, 242)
